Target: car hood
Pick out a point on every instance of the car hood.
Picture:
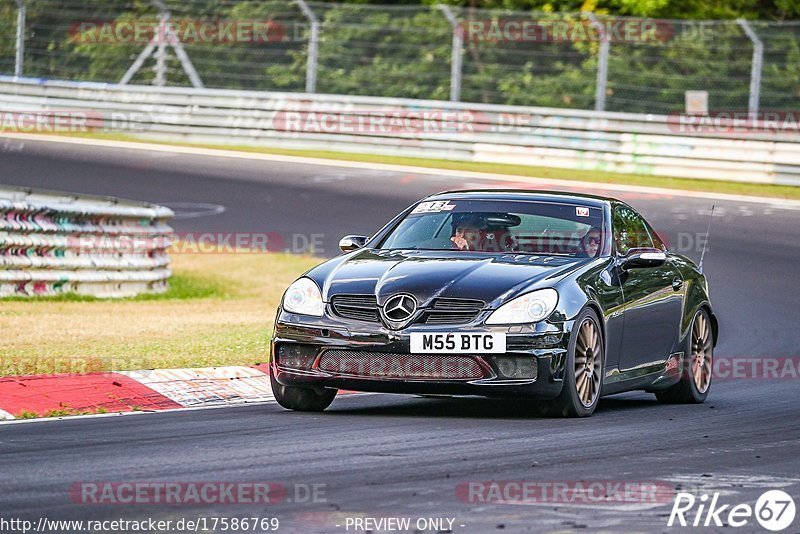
(431, 274)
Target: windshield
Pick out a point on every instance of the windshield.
(550, 228)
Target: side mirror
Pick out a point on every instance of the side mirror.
(639, 258)
(352, 242)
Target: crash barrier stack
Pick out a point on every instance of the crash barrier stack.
(54, 243)
(657, 145)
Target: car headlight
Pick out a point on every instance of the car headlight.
(303, 296)
(530, 308)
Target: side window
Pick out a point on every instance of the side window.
(630, 230)
(657, 241)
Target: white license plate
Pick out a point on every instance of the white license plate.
(457, 343)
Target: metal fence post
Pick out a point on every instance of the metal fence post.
(20, 47)
(183, 57)
(165, 36)
(161, 51)
(177, 46)
(456, 52)
(140, 59)
(755, 68)
(601, 84)
(313, 47)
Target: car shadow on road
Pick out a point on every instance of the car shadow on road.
(475, 407)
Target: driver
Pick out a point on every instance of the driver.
(591, 242)
(467, 232)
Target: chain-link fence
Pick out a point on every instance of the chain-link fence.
(574, 60)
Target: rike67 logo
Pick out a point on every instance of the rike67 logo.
(774, 510)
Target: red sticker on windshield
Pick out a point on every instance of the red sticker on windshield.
(582, 212)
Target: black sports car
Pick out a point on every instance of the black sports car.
(552, 296)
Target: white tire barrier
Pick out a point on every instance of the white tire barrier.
(53, 243)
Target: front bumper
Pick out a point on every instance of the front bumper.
(545, 343)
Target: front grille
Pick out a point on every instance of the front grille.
(452, 311)
(359, 307)
(400, 366)
(457, 304)
(448, 317)
(442, 311)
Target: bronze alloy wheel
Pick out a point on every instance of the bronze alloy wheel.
(583, 374)
(701, 353)
(588, 362)
(698, 365)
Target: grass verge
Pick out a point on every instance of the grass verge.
(218, 311)
(604, 177)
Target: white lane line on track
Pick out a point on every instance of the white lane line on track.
(193, 210)
(119, 414)
(594, 186)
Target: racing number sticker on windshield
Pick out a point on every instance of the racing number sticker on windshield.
(434, 207)
(581, 211)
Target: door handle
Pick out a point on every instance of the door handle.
(677, 283)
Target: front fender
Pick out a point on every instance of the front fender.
(599, 289)
(697, 296)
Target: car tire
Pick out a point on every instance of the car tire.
(584, 369)
(302, 399)
(697, 372)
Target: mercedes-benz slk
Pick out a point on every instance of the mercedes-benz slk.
(557, 298)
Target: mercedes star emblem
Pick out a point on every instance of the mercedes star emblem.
(399, 308)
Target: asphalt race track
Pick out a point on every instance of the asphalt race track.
(403, 456)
